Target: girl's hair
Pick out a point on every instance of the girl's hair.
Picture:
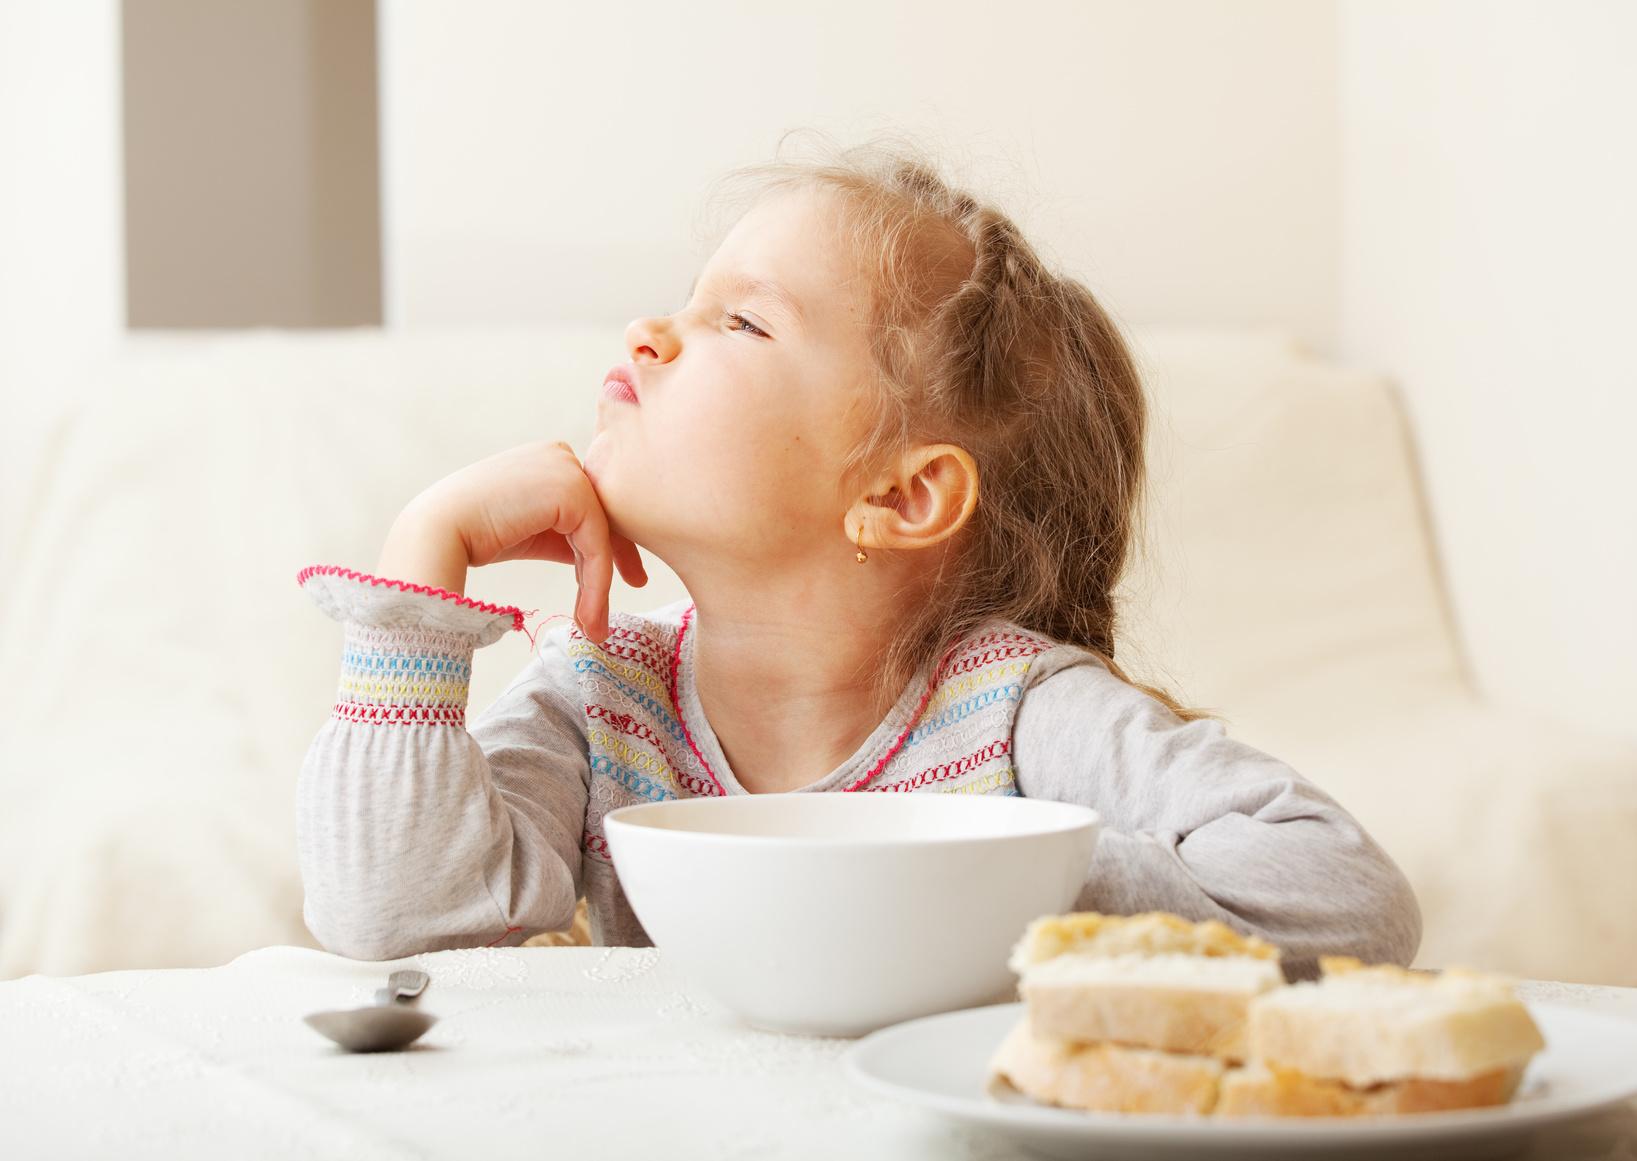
(978, 344)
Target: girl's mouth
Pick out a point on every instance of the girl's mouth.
(619, 389)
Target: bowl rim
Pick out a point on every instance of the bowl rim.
(1090, 819)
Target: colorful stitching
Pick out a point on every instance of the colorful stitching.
(646, 650)
(635, 728)
(932, 684)
(955, 713)
(636, 674)
(634, 782)
(636, 695)
(954, 769)
(413, 682)
(955, 688)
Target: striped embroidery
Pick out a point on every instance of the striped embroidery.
(953, 769)
(661, 712)
(632, 727)
(929, 726)
(398, 677)
(638, 784)
(636, 674)
(952, 688)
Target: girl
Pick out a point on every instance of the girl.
(895, 462)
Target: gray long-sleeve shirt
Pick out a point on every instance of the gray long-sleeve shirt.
(417, 831)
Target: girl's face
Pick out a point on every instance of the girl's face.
(745, 401)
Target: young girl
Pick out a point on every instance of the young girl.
(895, 461)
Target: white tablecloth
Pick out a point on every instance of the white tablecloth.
(560, 1052)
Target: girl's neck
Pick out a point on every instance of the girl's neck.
(787, 691)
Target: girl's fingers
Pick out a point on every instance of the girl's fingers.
(629, 562)
(594, 570)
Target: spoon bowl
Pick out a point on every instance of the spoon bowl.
(384, 1028)
(392, 1023)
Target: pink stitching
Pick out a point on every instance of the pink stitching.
(676, 664)
(913, 718)
(518, 614)
(951, 769)
(647, 652)
(631, 727)
(373, 714)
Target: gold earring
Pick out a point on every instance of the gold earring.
(861, 557)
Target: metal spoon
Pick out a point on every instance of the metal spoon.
(393, 1022)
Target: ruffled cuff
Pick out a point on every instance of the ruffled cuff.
(359, 598)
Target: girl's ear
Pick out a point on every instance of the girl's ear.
(931, 498)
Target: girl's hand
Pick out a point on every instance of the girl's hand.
(535, 502)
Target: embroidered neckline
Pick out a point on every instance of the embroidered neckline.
(858, 784)
(676, 702)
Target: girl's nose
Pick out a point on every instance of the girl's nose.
(651, 340)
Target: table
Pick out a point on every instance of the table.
(563, 1052)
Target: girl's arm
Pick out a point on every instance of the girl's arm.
(415, 832)
(1200, 824)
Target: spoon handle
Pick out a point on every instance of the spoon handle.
(403, 986)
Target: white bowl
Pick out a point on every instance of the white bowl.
(837, 914)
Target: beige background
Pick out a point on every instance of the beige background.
(1489, 241)
(1435, 190)
(544, 161)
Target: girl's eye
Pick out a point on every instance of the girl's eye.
(748, 325)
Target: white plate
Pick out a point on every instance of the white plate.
(941, 1063)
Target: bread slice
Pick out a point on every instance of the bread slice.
(1105, 1077)
(1150, 933)
(1148, 1013)
(1268, 1092)
(1365, 1026)
(1112, 1078)
(1173, 1002)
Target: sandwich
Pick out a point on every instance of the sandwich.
(1380, 1040)
(1153, 1014)
(1142, 1013)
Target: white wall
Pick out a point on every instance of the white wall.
(60, 208)
(1457, 215)
(1489, 193)
(62, 270)
(544, 161)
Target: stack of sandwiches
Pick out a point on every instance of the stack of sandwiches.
(1153, 1014)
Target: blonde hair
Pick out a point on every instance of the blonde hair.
(978, 344)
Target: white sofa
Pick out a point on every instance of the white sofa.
(163, 674)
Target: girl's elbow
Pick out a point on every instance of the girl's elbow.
(1404, 921)
(1387, 927)
(1376, 919)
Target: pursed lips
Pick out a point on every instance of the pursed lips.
(621, 384)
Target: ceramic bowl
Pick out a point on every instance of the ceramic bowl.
(837, 914)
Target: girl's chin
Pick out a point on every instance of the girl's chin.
(604, 477)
